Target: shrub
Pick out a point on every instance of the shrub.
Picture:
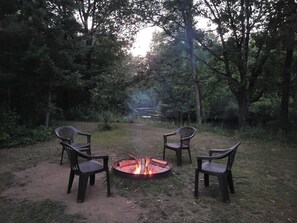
(12, 133)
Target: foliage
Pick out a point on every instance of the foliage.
(12, 133)
(81, 113)
(68, 60)
(107, 120)
(243, 50)
(264, 111)
(168, 73)
(60, 60)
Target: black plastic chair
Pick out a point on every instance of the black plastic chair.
(221, 170)
(185, 134)
(85, 169)
(67, 135)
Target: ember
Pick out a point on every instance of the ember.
(141, 167)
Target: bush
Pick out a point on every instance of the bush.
(13, 134)
(80, 113)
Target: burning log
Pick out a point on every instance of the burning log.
(124, 163)
(142, 168)
(161, 163)
(143, 165)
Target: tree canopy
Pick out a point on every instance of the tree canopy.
(69, 60)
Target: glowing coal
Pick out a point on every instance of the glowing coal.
(142, 168)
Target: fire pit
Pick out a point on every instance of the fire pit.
(142, 168)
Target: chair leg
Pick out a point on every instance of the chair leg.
(89, 151)
(164, 153)
(206, 180)
(108, 183)
(179, 157)
(230, 182)
(190, 155)
(82, 187)
(71, 177)
(61, 161)
(92, 179)
(196, 182)
(224, 188)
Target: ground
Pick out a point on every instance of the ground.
(37, 176)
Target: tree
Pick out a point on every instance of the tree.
(57, 60)
(167, 73)
(247, 34)
(48, 59)
(174, 17)
(288, 30)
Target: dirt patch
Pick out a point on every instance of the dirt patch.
(33, 174)
(38, 177)
(49, 181)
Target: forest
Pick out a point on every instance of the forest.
(70, 60)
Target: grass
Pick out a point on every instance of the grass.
(29, 212)
(264, 173)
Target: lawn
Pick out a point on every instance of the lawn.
(33, 184)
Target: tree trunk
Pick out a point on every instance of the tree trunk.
(48, 111)
(197, 102)
(284, 121)
(190, 40)
(243, 108)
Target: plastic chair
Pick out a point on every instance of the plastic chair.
(67, 135)
(85, 169)
(220, 170)
(185, 134)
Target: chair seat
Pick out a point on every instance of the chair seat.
(90, 167)
(175, 145)
(213, 167)
(81, 146)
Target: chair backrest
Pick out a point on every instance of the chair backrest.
(231, 153)
(66, 133)
(185, 132)
(72, 156)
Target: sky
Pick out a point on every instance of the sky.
(144, 37)
(143, 40)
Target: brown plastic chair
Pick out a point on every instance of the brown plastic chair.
(85, 169)
(185, 134)
(221, 170)
(67, 134)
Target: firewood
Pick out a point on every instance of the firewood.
(124, 163)
(158, 162)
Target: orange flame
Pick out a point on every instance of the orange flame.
(142, 167)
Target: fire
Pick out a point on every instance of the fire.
(137, 168)
(143, 167)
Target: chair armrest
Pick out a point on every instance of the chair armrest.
(65, 140)
(84, 133)
(205, 157)
(88, 135)
(186, 138)
(167, 135)
(90, 157)
(87, 156)
(217, 151)
(211, 157)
